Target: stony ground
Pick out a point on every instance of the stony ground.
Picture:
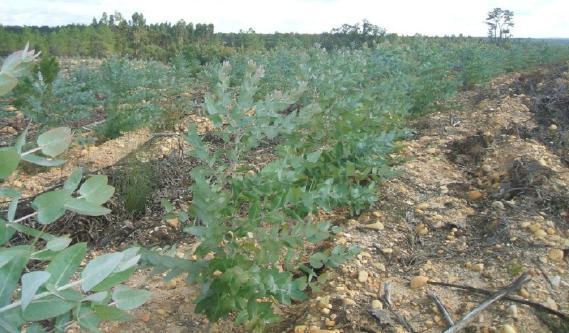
(482, 198)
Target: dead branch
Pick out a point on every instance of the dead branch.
(514, 299)
(517, 284)
(443, 310)
(386, 298)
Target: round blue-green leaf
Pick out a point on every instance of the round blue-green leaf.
(96, 191)
(55, 141)
(9, 160)
(127, 298)
(58, 244)
(83, 207)
(7, 83)
(50, 206)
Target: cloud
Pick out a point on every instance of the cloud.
(533, 18)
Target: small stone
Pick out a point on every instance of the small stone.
(525, 225)
(507, 329)
(161, 312)
(551, 303)
(349, 301)
(330, 323)
(540, 233)
(513, 311)
(550, 231)
(523, 293)
(17, 183)
(553, 127)
(418, 282)
(542, 162)
(300, 329)
(145, 317)
(534, 227)
(429, 324)
(498, 205)
(377, 213)
(362, 276)
(387, 250)
(174, 223)
(325, 311)
(376, 304)
(421, 229)
(474, 195)
(422, 206)
(469, 211)
(375, 226)
(84, 152)
(478, 267)
(555, 255)
(217, 274)
(379, 266)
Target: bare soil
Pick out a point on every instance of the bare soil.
(483, 197)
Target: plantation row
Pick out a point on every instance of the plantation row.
(334, 118)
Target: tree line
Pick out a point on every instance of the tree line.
(133, 37)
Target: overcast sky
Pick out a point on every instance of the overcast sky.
(533, 18)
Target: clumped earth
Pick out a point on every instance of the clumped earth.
(482, 198)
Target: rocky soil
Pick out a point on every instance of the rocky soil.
(482, 198)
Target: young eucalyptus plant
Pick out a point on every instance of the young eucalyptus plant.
(256, 249)
(43, 284)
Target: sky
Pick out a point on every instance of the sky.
(532, 18)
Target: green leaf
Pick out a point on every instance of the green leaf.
(7, 326)
(72, 182)
(314, 157)
(31, 231)
(105, 312)
(55, 141)
(87, 319)
(128, 299)
(65, 263)
(7, 83)
(44, 255)
(50, 206)
(31, 282)
(4, 259)
(61, 322)
(131, 258)
(99, 268)
(95, 190)
(318, 259)
(11, 271)
(58, 244)
(5, 233)
(9, 160)
(83, 207)
(21, 140)
(12, 208)
(114, 279)
(42, 161)
(97, 297)
(46, 308)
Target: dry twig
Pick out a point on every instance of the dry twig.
(515, 299)
(443, 310)
(517, 284)
(386, 298)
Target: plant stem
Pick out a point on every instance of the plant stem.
(31, 151)
(41, 295)
(23, 218)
